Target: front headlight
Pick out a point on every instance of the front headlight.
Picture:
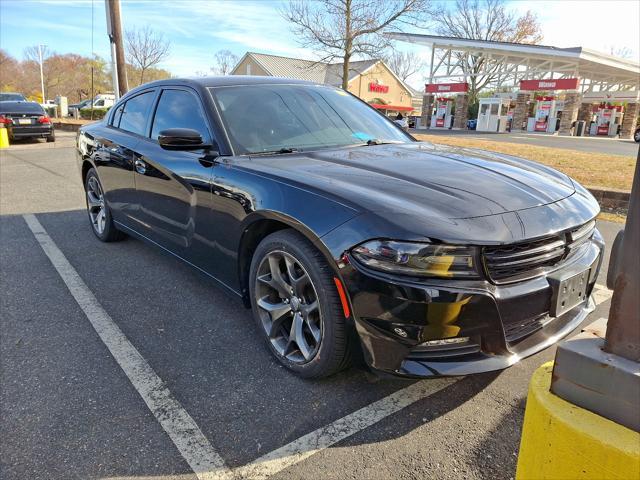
(421, 259)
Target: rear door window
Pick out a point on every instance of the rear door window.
(135, 113)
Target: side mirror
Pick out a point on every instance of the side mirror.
(181, 139)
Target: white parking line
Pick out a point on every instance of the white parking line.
(601, 294)
(181, 428)
(324, 437)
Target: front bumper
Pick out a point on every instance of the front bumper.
(504, 323)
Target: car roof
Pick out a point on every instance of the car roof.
(225, 81)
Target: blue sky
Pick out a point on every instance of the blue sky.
(197, 29)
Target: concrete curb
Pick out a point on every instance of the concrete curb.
(68, 127)
(611, 199)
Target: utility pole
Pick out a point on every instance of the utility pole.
(114, 30)
(41, 71)
(623, 330)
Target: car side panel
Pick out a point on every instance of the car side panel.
(240, 198)
(173, 193)
(113, 159)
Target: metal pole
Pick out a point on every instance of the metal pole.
(41, 72)
(114, 72)
(623, 327)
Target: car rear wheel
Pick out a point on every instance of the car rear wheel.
(636, 136)
(98, 210)
(51, 137)
(296, 306)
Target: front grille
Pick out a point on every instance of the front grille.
(528, 259)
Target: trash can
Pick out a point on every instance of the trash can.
(579, 130)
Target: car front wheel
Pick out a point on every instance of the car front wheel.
(98, 210)
(296, 306)
(636, 136)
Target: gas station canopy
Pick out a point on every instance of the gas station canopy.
(507, 64)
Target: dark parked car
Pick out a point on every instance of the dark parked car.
(341, 231)
(26, 119)
(12, 97)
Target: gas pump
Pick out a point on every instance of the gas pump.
(442, 117)
(544, 119)
(608, 118)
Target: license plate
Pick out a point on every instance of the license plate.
(24, 121)
(568, 292)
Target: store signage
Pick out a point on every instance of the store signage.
(541, 126)
(376, 87)
(446, 87)
(603, 129)
(558, 84)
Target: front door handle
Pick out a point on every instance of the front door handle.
(141, 167)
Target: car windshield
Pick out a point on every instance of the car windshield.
(12, 97)
(284, 118)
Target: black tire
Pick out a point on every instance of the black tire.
(332, 351)
(107, 232)
(51, 137)
(636, 136)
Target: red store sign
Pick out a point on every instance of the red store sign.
(376, 87)
(558, 84)
(446, 87)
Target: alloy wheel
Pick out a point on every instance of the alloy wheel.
(95, 205)
(288, 307)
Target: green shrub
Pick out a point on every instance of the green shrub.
(98, 113)
(51, 111)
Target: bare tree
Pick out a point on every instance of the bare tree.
(484, 20)
(404, 64)
(145, 49)
(225, 61)
(340, 29)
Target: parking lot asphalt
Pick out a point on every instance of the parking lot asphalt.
(71, 408)
(613, 146)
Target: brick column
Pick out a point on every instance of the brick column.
(521, 112)
(569, 113)
(630, 120)
(427, 108)
(462, 112)
(585, 112)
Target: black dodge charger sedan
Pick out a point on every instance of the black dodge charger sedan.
(342, 232)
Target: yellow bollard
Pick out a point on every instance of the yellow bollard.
(561, 441)
(4, 137)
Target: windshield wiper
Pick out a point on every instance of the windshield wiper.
(276, 152)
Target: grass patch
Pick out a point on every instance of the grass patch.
(590, 169)
(612, 217)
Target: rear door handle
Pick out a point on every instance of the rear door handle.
(141, 167)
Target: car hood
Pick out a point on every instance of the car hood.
(421, 178)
